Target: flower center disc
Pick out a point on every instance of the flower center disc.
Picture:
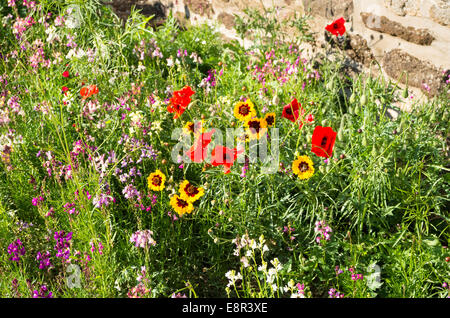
(181, 203)
(156, 180)
(190, 189)
(303, 166)
(255, 125)
(244, 110)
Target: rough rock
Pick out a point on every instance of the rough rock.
(421, 74)
(384, 25)
(228, 20)
(201, 7)
(330, 9)
(403, 7)
(358, 50)
(440, 12)
(247, 4)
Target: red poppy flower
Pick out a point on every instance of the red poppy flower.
(223, 156)
(323, 140)
(180, 101)
(293, 111)
(88, 91)
(65, 89)
(65, 74)
(198, 151)
(337, 27)
(290, 111)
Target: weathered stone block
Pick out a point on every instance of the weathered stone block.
(226, 19)
(330, 9)
(440, 12)
(403, 7)
(421, 74)
(201, 7)
(384, 25)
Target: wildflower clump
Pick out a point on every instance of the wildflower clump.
(143, 238)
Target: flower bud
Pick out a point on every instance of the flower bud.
(405, 92)
(363, 100)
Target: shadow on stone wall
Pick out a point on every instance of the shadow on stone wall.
(123, 9)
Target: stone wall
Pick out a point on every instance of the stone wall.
(401, 35)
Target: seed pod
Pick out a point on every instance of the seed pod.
(329, 85)
(402, 125)
(340, 135)
(351, 110)
(405, 92)
(352, 98)
(363, 100)
(364, 141)
(433, 116)
(374, 151)
(342, 126)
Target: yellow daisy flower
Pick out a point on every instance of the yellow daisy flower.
(244, 110)
(256, 128)
(180, 205)
(303, 167)
(188, 128)
(270, 119)
(190, 192)
(156, 180)
(196, 128)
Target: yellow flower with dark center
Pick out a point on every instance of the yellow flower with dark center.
(195, 128)
(244, 110)
(303, 167)
(180, 205)
(190, 192)
(270, 119)
(156, 180)
(188, 128)
(256, 128)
